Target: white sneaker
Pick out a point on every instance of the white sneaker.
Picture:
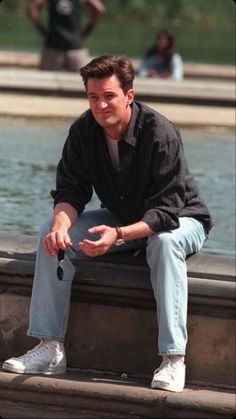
(48, 357)
(170, 375)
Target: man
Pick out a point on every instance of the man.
(64, 38)
(133, 157)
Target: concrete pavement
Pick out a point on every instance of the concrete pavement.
(33, 93)
(36, 106)
(197, 92)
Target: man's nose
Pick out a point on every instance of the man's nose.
(102, 104)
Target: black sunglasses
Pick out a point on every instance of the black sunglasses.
(60, 259)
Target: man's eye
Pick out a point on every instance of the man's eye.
(109, 97)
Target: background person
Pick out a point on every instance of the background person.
(64, 37)
(134, 159)
(161, 60)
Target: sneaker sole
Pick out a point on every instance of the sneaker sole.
(162, 386)
(49, 371)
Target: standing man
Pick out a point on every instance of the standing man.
(134, 159)
(64, 37)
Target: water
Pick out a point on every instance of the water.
(31, 149)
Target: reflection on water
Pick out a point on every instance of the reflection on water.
(30, 151)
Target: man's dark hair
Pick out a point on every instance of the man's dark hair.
(106, 66)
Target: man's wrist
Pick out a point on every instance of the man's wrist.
(119, 237)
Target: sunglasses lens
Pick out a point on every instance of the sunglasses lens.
(60, 258)
(60, 273)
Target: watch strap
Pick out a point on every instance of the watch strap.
(119, 237)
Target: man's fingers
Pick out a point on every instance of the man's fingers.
(55, 241)
(49, 248)
(93, 244)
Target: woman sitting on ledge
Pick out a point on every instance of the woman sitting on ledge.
(161, 61)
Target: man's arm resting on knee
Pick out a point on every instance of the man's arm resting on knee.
(136, 231)
(108, 237)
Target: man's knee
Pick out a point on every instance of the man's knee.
(165, 244)
(163, 240)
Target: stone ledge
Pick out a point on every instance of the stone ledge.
(191, 70)
(203, 265)
(18, 105)
(70, 85)
(129, 285)
(94, 392)
(123, 278)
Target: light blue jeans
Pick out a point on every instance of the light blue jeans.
(166, 257)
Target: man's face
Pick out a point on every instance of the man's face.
(108, 103)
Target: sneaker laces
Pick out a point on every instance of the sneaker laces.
(169, 366)
(37, 350)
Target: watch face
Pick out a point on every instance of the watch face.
(119, 242)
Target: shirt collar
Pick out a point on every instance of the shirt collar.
(129, 136)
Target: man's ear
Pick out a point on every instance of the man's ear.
(130, 96)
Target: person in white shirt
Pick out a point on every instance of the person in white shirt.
(161, 60)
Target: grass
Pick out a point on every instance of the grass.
(203, 34)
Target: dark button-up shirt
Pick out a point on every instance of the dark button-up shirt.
(152, 183)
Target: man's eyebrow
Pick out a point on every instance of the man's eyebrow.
(104, 93)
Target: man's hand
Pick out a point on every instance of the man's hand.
(109, 236)
(99, 247)
(55, 240)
